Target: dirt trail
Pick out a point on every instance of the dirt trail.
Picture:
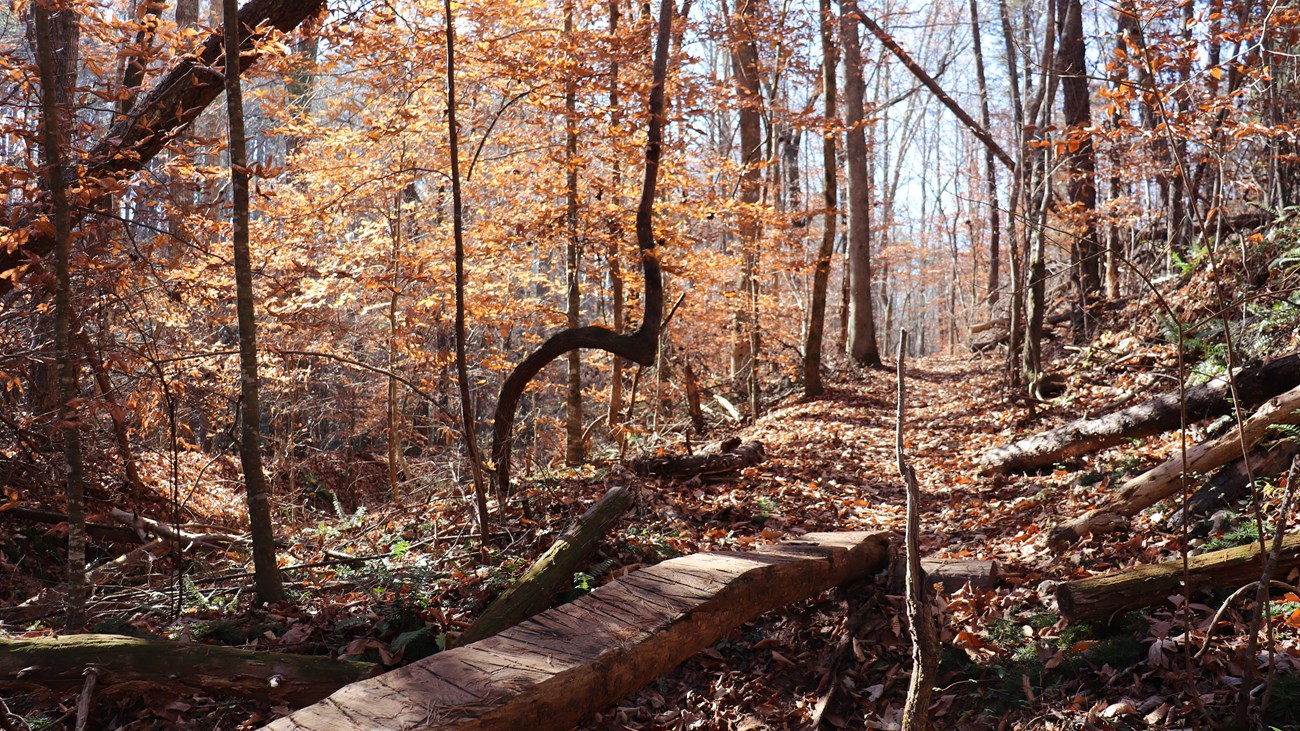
(842, 446)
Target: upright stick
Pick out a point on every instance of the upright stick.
(925, 645)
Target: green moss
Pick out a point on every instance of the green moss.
(1284, 704)
(1240, 535)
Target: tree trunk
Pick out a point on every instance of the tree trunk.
(639, 346)
(1081, 161)
(1254, 385)
(1015, 202)
(467, 431)
(266, 570)
(132, 664)
(1151, 487)
(1040, 185)
(1232, 483)
(925, 640)
(812, 352)
(745, 74)
(56, 87)
(573, 450)
(552, 572)
(615, 412)
(1104, 598)
(862, 341)
(137, 63)
(558, 668)
(990, 169)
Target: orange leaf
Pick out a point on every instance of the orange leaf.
(1294, 619)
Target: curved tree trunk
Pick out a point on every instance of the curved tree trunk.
(639, 346)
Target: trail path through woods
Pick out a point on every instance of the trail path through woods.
(831, 463)
(831, 466)
(1009, 659)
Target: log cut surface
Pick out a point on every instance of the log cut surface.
(565, 664)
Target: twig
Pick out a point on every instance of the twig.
(10, 721)
(1209, 634)
(925, 646)
(1262, 607)
(87, 694)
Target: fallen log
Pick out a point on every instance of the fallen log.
(1156, 484)
(950, 575)
(127, 565)
(552, 572)
(98, 530)
(1231, 484)
(1254, 384)
(144, 525)
(132, 664)
(731, 459)
(563, 665)
(1102, 598)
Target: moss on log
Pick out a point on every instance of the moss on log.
(129, 663)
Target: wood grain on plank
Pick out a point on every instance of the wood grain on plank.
(563, 665)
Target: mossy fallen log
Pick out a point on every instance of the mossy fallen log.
(129, 663)
(551, 572)
(1103, 598)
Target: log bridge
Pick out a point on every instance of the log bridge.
(565, 664)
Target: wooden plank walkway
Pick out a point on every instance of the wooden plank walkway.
(562, 666)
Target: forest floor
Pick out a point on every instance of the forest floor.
(1009, 660)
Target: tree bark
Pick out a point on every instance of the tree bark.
(573, 447)
(267, 571)
(862, 342)
(990, 168)
(1040, 187)
(552, 572)
(1231, 484)
(1015, 204)
(131, 664)
(812, 352)
(1103, 598)
(639, 346)
(745, 75)
(467, 430)
(1255, 384)
(56, 93)
(1147, 489)
(925, 640)
(615, 412)
(563, 665)
(1081, 161)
